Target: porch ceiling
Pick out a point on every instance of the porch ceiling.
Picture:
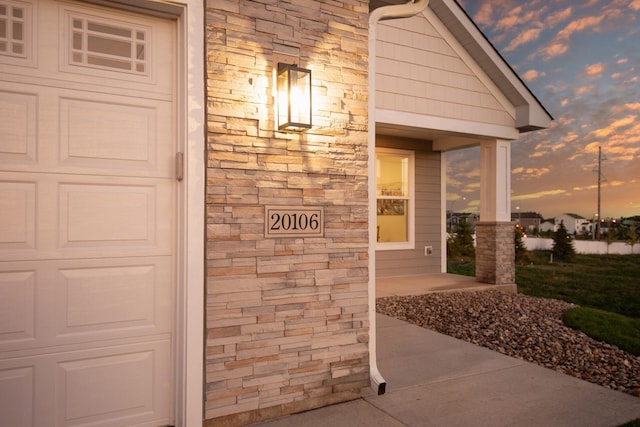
(442, 140)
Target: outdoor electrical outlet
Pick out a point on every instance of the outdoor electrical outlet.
(428, 250)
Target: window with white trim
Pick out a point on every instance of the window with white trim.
(395, 199)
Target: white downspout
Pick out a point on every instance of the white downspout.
(383, 13)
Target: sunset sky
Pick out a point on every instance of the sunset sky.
(581, 59)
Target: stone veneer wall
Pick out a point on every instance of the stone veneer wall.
(286, 318)
(495, 253)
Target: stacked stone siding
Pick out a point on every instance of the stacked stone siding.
(495, 253)
(286, 318)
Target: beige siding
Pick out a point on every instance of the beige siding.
(428, 218)
(419, 70)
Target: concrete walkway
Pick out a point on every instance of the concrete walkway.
(436, 380)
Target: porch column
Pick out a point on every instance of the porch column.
(495, 251)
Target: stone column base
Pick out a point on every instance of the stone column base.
(495, 253)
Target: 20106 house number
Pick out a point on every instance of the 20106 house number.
(294, 221)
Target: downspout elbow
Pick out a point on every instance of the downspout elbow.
(405, 10)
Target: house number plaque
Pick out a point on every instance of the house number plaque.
(294, 221)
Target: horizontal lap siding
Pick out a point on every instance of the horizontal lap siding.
(428, 215)
(418, 71)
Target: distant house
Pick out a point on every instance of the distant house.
(527, 220)
(548, 225)
(456, 218)
(631, 223)
(573, 223)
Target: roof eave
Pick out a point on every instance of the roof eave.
(531, 115)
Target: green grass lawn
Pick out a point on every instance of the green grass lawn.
(606, 282)
(605, 326)
(606, 287)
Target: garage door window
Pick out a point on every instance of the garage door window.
(13, 30)
(102, 45)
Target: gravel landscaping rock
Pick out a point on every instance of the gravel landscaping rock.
(520, 326)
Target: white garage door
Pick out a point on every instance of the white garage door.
(87, 215)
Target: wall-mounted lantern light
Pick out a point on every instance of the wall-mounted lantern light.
(294, 98)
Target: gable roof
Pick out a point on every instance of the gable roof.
(530, 113)
(571, 215)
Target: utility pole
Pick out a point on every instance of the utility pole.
(599, 170)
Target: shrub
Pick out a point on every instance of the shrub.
(460, 245)
(563, 249)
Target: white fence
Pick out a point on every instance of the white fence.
(584, 246)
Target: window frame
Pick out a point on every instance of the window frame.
(28, 31)
(411, 199)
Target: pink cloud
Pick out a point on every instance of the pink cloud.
(524, 37)
(532, 75)
(516, 17)
(510, 20)
(539, 194)
(559, 16)
(555, 49)
(594, 70)
(484, 14)
(629, 106)
(570, 137)
(530, 172)
(560, 44)
(584, 89)
(580, 24)
(615, 133)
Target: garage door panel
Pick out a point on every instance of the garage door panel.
(103, 296)
(105, 134)
(83, 302)
(84, 216)
(114, 218)
(112, 302)
(110, 136)
(17, 216)
(103, 131)
(18, 119)
(131, 373)
(107, 215)
(77, 387)
(17, 307)
(16, 396)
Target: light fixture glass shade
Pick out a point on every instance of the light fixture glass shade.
(294, 98)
